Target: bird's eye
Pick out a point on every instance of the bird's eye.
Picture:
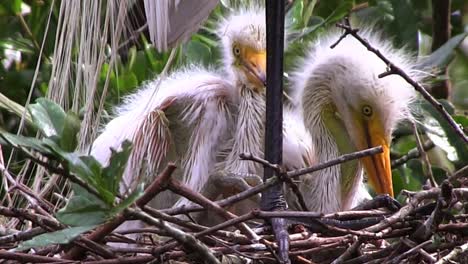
(367, 110)
(236, 50)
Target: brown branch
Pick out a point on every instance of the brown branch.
(427, 170)
(280, 171)
(187, 241)
(22, 235)
(339, 160)
(103, 230)
(179, 188)
(349, 252)
(405, 210)
(274, 180)
(22, 257)
(393, 69)
(461, 173)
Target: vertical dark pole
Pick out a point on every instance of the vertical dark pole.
(273, 198)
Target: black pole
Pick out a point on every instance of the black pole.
(273, 198)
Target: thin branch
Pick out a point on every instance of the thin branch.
(461, 173)
(274, 180)
(188, 241)
(427, 170)
(412, 154)
(103, 230)
(349, 252)
(181, 189)
(393, 69)
(341, 159)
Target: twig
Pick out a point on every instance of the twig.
(461, 173)
(453, 255)
(188, 241)
(427, 170)
(393, 69)
(412, 154)
(181, 189)
(409, 252)
(405, 210)
(265, 163)
(103, 230)
(272, 181)
(28, 257)
(339, 160)
(349, 252)
(22, 235)
(280, 171)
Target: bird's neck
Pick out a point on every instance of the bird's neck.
(248, 136)
(333, 186)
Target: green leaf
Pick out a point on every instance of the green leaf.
(83, 209)
(417, 171)
(462, 120)
(405, 179)
(112, 174)
(86, 168)
(405, 25)
(443, 55)
(12, 6)
(197, 52)
(47, 116)
(294, 15)
(64, 236)
(441, 133)
(71, 127)
(19, 141)
(127, 81)
(129, 200)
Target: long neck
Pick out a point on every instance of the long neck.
(329, 190)
(248, 136)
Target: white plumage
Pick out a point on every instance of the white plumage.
(204, 119)
(334, 89)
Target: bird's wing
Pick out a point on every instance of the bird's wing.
(173, 21)
(297, 142)
(185, 119)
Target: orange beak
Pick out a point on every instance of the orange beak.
(255, 64)
(378, 167)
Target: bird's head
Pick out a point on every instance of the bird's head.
(243, 36)
(368, 107)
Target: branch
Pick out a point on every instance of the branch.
(427, 170)
(274, 180)
(412, 154)
(393, 69)
(103, 230)
(188, 241)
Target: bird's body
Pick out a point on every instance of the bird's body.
(346, 107)
(204, 119)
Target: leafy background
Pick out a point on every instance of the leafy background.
(408, 23)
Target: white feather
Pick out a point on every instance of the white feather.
(346, 77)
(171, 22)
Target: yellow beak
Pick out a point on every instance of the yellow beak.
(378, 167)
(255, 64)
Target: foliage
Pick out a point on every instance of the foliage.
(84, 210)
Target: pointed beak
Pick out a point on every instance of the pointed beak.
(378, 167)
(255, 64)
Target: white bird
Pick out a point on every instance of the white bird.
(346, 107)
(204, 119)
